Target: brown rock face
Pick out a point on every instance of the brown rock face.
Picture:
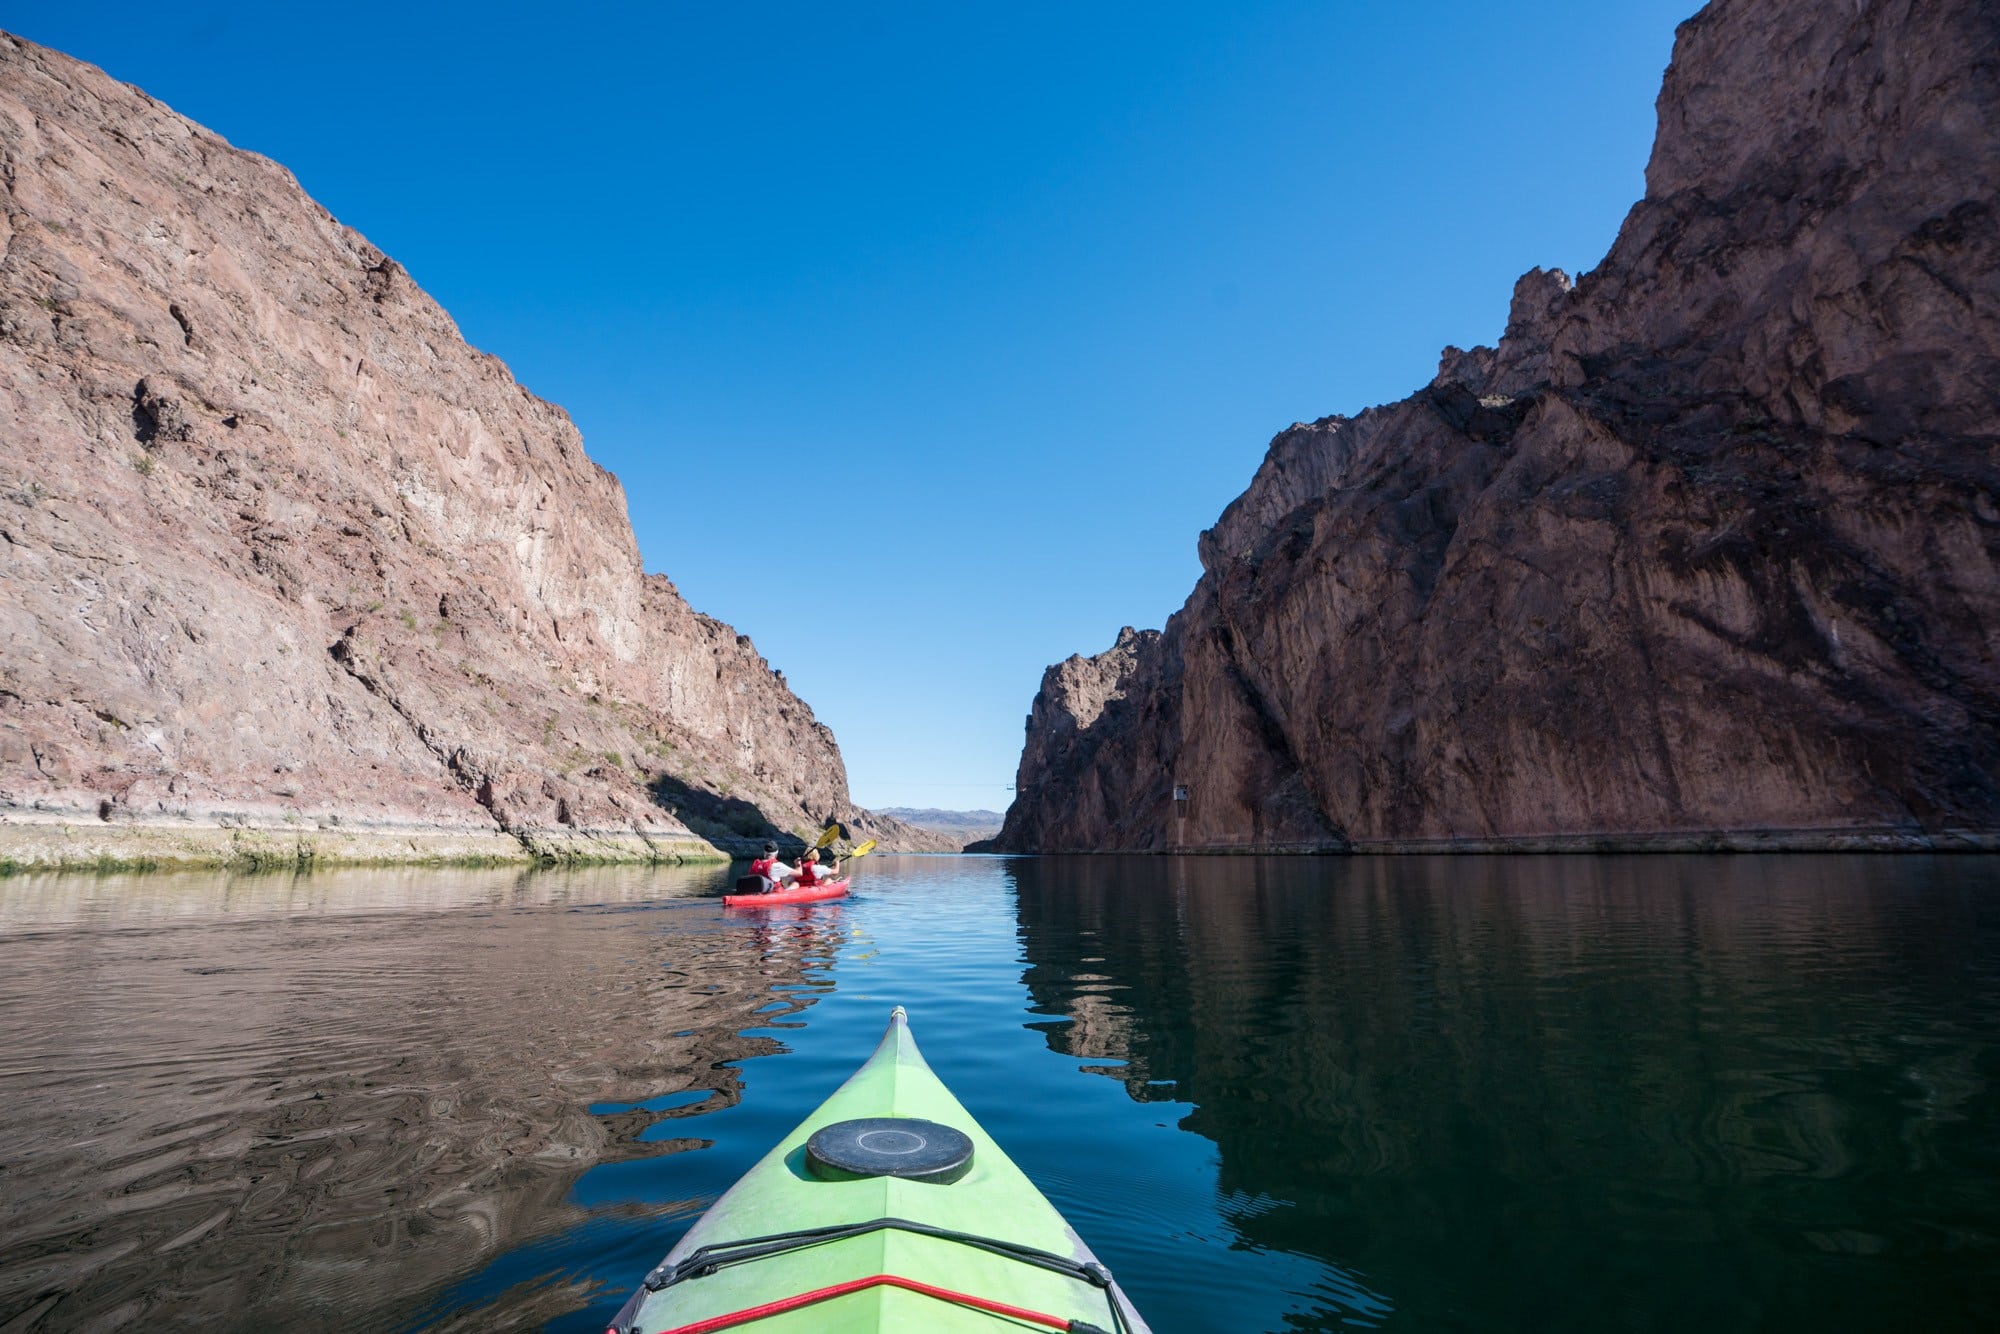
(1063, 739)
(1707, 548)
(277, 546)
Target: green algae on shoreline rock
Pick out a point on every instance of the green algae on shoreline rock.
(66, 845)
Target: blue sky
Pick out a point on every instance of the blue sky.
(926, 338)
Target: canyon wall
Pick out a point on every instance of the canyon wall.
(288, 570)
(1706, 552)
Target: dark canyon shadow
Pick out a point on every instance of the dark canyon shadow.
(712, 814)
(1644, 1093)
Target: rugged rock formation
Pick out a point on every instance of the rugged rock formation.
(1064, 799)
(281, 552)
(1706, 550)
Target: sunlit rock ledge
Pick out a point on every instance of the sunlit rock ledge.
(70, 839)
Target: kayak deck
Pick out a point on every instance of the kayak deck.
(782, 1195)
(832, 889)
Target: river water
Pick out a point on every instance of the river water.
(1412, 1094)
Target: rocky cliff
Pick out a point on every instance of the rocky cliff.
(287, 569)
(1706, 550)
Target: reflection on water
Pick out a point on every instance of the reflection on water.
(1566, 1093)
(1548, 1094)
(291, 1102)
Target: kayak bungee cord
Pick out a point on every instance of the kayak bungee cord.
(707, 1259)
(784, 1304)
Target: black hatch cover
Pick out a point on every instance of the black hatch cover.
(889, 1146)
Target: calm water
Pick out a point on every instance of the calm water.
(1542, 1094)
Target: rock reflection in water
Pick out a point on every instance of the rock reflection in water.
(1714, 1092)
(282, 1102)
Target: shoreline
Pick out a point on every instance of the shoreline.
(32, 843)
(1880, 839)
(35, 843)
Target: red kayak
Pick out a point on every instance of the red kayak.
(832, 889)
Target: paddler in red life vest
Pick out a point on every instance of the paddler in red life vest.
(811, 873)
(773, 871)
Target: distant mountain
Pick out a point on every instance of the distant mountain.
(967, 825)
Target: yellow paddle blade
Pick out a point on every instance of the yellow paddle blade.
(862, 851)
(826, 839)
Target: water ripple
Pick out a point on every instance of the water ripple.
(319, 1109)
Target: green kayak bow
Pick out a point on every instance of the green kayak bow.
(888, 1209)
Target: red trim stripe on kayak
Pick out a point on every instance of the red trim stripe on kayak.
(784, 1304)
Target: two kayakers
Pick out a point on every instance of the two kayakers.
(768, 875)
